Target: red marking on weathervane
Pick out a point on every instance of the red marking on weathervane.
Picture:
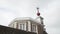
(38, 14)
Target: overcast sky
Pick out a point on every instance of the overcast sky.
(49, 9)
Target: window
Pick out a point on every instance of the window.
(13, 26)
(33, 28)
(22, 26)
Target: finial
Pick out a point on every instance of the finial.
(38, 14)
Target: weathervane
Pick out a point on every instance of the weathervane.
(38, 13)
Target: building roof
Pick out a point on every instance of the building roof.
(23, 18)
(26, 18)
(8, 30)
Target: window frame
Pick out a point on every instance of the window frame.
(34, 27)
(23, 26)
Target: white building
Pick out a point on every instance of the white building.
(29, 24)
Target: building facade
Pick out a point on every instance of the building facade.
(29, 24)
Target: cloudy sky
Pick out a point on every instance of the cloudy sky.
(49, 9)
